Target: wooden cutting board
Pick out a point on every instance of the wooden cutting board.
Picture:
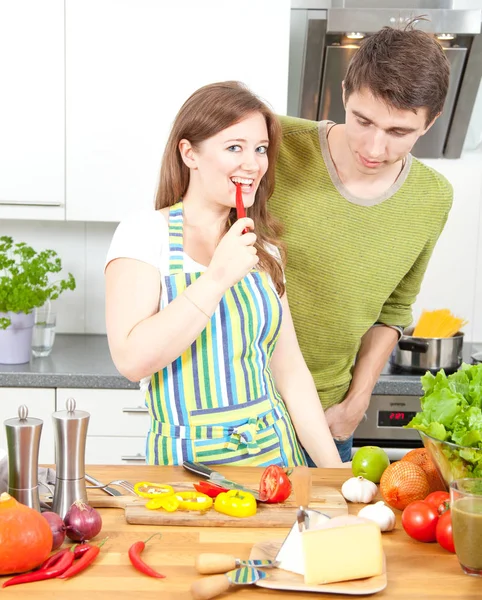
(324, 499)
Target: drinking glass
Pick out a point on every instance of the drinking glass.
(43, 331)
(466, 509)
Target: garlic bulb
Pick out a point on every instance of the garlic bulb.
(359, 489)
(381, 514)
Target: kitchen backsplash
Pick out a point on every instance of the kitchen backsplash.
(453, 279)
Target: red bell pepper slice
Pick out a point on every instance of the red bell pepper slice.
(208, 488)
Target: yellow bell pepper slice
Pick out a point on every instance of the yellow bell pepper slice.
(145, 489)
(168, 502)
(236, 503)
(194, 501)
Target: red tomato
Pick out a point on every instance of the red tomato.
(439, 501)
(275, 485)
(444, 532)
(419, 519)
(208, 488)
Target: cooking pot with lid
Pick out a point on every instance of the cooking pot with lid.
(417, 355)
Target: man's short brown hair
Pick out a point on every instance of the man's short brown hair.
(406, 68)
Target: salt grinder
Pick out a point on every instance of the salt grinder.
(70, 433)
(23, 439)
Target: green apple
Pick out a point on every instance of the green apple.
(370, 462)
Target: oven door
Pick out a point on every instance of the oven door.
(383, 424)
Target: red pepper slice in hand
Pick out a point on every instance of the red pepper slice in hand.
(136, 560)
(275, 485)
(240, 210)
(208, 488)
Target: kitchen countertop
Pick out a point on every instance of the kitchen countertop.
(414, 569)
(83, 361)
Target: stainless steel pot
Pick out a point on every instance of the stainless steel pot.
(418, 355)
(476, 358)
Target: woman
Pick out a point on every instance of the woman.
(196, 306)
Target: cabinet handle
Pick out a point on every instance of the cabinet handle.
(135, 409)
(28, 203)
(136, 457)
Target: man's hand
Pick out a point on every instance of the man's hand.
(344, 418)
(375, 349)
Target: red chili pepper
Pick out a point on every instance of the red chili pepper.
(78, 550)
(240, 210)
(81, 549)
(52, 560)
(135, 558)
(208, 488)
(84, 561)
(60, 567)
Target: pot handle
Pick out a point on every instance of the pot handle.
(412, 345)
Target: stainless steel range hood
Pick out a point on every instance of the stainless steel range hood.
(325, 35)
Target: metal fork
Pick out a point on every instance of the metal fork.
(120, 482)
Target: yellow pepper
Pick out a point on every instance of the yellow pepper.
(145, 489)
(167, 502)
(194, 501)
(236, 503)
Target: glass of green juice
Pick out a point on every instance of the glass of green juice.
(466, 508)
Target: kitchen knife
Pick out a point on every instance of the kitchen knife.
(209, 587)
(108, 490)
(217, 478)
(209, 563)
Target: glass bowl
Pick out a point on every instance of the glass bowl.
(451, 460)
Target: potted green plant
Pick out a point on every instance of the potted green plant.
(24, 285)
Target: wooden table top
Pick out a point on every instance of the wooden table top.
(415, 570)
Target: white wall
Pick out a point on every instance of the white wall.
(453, 279)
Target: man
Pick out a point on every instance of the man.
(361, 218)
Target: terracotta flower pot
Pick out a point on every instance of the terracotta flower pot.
(16, 340)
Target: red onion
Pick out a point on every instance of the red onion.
(57, 527)
(82, 522)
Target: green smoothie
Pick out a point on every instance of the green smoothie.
(467, 531)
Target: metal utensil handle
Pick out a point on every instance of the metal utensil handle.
(413, 345)
(105, 488)
(198, 468)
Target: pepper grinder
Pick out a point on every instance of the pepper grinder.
(70, 432)
(23, 439)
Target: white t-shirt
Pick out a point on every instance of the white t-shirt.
(144, 236)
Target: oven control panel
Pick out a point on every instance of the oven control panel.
(395, 418)
(385, 419)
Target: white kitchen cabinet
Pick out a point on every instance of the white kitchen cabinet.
(131, 64)
(115, 451)
(41, 404)
(32, 114)
(118, 424)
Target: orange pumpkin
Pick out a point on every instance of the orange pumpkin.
(25, 537)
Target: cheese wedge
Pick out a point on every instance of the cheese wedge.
(340, 553)
(290, 556)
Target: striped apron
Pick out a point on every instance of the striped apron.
(217, 403)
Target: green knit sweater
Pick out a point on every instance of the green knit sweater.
(350, 265)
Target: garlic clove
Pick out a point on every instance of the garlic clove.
(381, 514)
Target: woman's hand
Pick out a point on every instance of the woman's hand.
(235, 255)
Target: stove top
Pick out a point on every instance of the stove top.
(470, 348)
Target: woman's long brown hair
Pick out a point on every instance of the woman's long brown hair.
(208, 111)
